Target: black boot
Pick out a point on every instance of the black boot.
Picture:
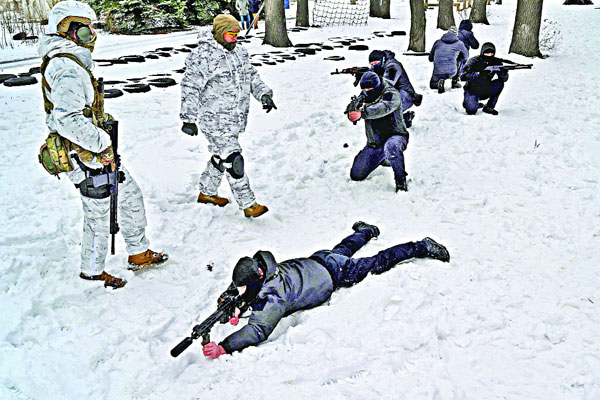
(408, 117)
(455, 84)
(436, 250)
(401, 184)
(369, 229)
(489, 110)
(441, 86)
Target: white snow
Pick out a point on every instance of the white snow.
(515, 315)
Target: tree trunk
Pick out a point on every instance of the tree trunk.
(275, 29)
(526, 33)
(380, 9)
(302, 13)
(479, 13)
(446, 14)
(417, 26)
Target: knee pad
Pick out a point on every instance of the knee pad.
(234, 163)
(217, 162)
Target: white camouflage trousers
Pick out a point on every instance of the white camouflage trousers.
(223, 146)
(96, 221)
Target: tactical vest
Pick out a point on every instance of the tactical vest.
(54, 152)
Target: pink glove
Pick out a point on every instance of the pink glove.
(212, 350)
(354, 115)
(234, 321)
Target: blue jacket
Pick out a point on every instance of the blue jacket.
(383, 117)
(466, 36)
(445, 53)
(253, 6)
(297, 284)
(395, 73)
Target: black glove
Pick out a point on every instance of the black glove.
(189, 128)
(417, 99)
(267, 103)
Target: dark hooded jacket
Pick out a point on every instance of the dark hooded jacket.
(393, 71)
(479, 81)
(383, 116)
(294, 285)
(445, 53)
(465, 34)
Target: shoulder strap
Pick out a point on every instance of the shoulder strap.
(48, 106)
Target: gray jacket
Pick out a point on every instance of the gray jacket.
(445, 53)
(298, 284)
(383, 117)
(216, 87)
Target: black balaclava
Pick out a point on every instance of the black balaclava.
(371, 80)
(377, 55)
(248, 272)
(486, 48)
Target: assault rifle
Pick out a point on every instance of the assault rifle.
(112, 128)
(510, 67)
(418, 53)
(357, 72)
(225, 308)
(355, 103)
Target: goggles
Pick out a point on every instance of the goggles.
(84, 34)
(232, 34)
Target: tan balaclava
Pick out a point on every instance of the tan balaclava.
(225, 23)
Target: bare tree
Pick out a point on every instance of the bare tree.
(446, 14)
(275, 28)
(380, 9)
(302, 13)
(479, 12)
(526, 33)
(417, 26)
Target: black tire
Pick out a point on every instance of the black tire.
(117, 61)
(184, 50)
(21, 81)
(270, 63)
(137, 88)
(306, 51)
(114, 82)
(398, 33)
(163, 54)
(325, 47)
(35, 70)
(162, 82)
(152, 57)
(358, 47)
(193, 45)
(160, 75)
(135, 59)
(164, 49)
(5, 77)
(256, 64)
(112, 93)
(334, 58)
(179, 71)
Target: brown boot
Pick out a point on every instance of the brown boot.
(108, 279)
(255, 210)
(216, 200)
(146, 259)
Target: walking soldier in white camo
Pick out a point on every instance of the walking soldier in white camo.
(76, 120)
(215, 97)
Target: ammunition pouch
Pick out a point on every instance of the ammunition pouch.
(98, 183)
(54, 155)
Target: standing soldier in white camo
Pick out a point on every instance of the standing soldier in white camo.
(215, 96)
(74, 109)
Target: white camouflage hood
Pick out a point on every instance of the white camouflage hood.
(53, 44)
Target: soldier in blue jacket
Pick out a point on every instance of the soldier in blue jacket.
(447, 55)
(275, 290)
(465, 34)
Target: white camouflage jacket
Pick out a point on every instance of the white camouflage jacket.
(216, 87)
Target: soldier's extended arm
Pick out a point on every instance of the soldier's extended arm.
(389, 103)
(192, 84)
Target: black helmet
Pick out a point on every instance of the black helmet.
(247, 271)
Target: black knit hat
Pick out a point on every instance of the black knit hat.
(369, 80)
(247, 272)
(376, 55)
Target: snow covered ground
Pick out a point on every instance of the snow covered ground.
(515, 315)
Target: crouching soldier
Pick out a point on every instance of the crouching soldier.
(380, 105)
(385, 65)
(447, 55)
(479, 73)
(215, 96)
(275, 290)
(76, 120)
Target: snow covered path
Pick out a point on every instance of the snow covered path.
(515, 315)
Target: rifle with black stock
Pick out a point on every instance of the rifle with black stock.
(357, 72)
(226, 305)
